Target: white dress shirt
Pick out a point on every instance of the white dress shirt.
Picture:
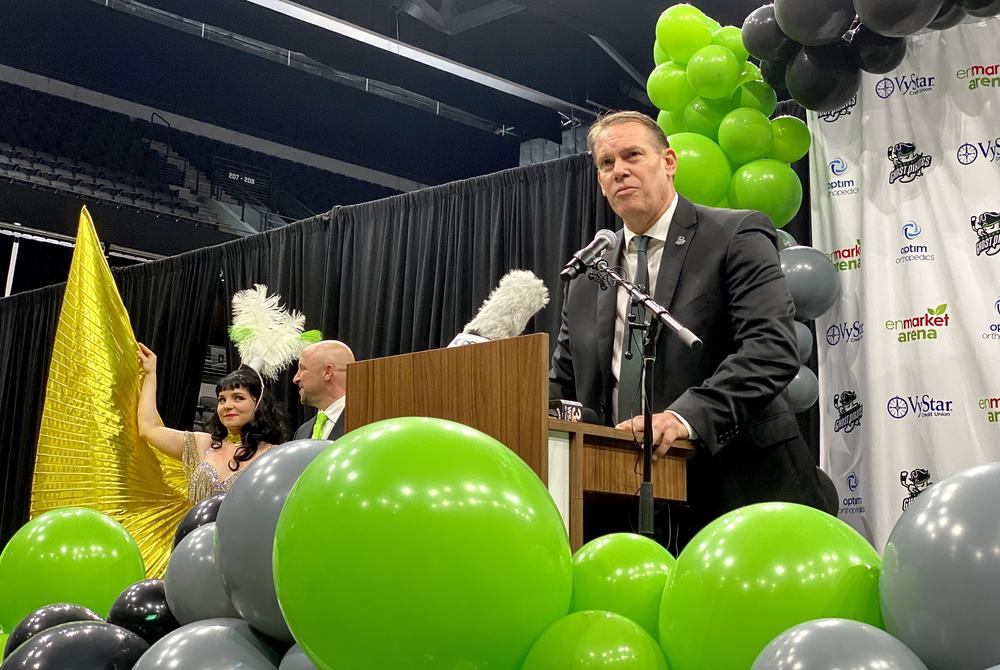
(654, 252)
(333, 413)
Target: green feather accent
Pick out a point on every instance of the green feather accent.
(311, 336)
(240, 333)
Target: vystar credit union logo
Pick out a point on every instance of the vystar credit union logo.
(908, 163)
(921, 327)
(920, 406)
(839, 185)
(849, 411)
(980, 76)
(840, 112)
(846, 258)
(970, 152)
(987, 227)
(904, 84)
(845, 332)
(913, 252)
(991, 406)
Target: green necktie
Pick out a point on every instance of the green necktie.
(630, 375)
(321, 420)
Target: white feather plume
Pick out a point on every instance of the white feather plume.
(265, 334)
(505, 313)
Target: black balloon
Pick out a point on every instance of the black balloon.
(980, 8)
(814, 22)
(823, 78)
(44, 618)
(773, 72)
(897, 18)
(82, 645)
(876, 53)
(142, 609)
(949, 16)
(204, 512)
(763, 37)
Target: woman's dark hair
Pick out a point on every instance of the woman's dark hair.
(268, 425)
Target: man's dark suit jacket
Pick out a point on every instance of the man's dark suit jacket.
(720, 276)
(305, 431)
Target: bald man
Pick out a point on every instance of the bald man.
(322, 382)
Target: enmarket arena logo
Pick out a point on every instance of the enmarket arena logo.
(922, 326)
(840, 112)
(980, 76)
(987, 227)
(908, 163)
(991, 406)
(904, 84)
(920, 406)
(911, 232)
(837, 185)
(847, 258)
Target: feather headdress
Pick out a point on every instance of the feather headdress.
(267, 336)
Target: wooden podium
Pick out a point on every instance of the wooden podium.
(501, 388)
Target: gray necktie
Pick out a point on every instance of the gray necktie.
(630, 375)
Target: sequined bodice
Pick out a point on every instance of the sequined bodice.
(203, 478)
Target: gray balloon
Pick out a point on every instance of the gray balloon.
(814, 22)
(803, 390)
(940, 581)
(897, 18)
(245, 532)
(812, 280)
(803, 341)
(213, 644)
(785, 240)
(192, 584)
(836, 643)
(296, 659)
(764, 38)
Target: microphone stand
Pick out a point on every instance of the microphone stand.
(607, 276)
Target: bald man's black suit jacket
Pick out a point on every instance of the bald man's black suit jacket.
(720, 276)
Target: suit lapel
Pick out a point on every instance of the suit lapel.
(683, 226)
(607, 303)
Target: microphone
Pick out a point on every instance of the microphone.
(505, 313)
(571, 410)
(581, 260)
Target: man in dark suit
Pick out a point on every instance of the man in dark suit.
(322, 382)
(718, 273)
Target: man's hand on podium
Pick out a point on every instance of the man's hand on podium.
(666, 428)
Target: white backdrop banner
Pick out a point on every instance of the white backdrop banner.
(906, 203)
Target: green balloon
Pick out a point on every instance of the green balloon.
(69, 555)
(750, 73)
(703, 173)
(745, 135)
(713, 25)
(594, 640)
(622, 573)
(670, 122)
(756, 572)
(758, 95)
(668, 87)
(704, 116)
(659, 55)
(723, 204)
(424, 544)
(681, 30)
(791, 139)
(731, 37)
(713, 72)
(768, 186)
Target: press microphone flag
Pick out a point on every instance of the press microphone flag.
(505, 313)
(581, 260)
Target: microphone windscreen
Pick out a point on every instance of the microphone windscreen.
(505, 313)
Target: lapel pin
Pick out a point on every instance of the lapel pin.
(680, 241)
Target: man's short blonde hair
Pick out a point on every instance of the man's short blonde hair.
(605, 121)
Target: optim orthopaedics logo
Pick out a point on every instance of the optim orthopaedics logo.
(839, 186)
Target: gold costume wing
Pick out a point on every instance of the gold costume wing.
(89, 450)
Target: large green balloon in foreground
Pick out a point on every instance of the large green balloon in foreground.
(703, 173)
(622, 573)
(421, 544)
(75, 555)
(756, 572)
(594, 640)
(768, 186)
